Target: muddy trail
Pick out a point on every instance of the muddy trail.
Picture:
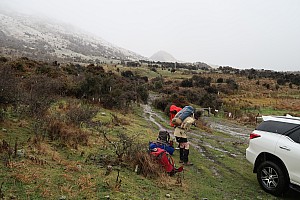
(237, 134)
(205, 143)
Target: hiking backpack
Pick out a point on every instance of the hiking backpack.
(168, 147)
(163, 136)
(173, 111)
(165, 160)
(182, 115)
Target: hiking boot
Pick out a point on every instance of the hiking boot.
(188, 164)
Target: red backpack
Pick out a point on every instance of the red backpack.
(165, 159)
(173, 111)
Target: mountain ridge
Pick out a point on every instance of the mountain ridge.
(163, 56)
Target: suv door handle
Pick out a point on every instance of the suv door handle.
(284, 148)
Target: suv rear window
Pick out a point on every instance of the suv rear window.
(276, 127)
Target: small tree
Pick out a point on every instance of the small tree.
(220, 80)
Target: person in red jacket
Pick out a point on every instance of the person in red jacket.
(173, 111)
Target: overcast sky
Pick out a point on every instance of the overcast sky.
(261, 34)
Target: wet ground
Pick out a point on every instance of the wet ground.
(240, 133)
(230, 131)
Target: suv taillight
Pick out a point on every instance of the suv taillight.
(254, 135)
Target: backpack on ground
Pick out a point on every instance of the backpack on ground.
(165, 160)
(163, 136)
(182, 115)
(163, 142)
(168, 147)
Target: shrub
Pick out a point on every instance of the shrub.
(153, 69)
(161, 103)
(220, 80)
(186, 83)
(80, 113)
(127, 74)
(143, 93)
(2, 115)
(156, 83)
(3, 59)
(66, 134)
(9, 86)
(39, 92)
(232, 84)
(201, 81)
(211, 89)
(266, 85)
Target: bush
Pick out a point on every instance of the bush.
(2, 115)
(9, 86)
(66, 134)
(232, 84)
(3, 59)
(39, 92)
(153, 69)
(187, 83)
(201, 81)
(220, 80)
(161, 103)
(127, 74)
(80, 113)
(143, 93)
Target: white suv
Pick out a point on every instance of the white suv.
(274, 151)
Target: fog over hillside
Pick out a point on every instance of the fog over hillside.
(46, 39)
(251, 34)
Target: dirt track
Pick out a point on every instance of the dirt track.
(240, 133)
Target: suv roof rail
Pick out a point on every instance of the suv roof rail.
(265, 118)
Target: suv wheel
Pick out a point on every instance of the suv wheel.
(271, 178)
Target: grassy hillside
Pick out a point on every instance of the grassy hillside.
(75, 132)
(53, 169)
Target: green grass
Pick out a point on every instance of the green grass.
(69, 172)
(272, 111)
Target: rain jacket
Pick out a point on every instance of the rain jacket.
(173, 111)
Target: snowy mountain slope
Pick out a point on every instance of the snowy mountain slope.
(45, 39)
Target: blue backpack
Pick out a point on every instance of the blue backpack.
(167, 147)
(185, 112)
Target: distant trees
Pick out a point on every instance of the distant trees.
(281, 77)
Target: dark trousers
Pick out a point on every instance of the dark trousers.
(183, 153)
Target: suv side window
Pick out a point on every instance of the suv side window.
(295, 136)
(276, 127)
